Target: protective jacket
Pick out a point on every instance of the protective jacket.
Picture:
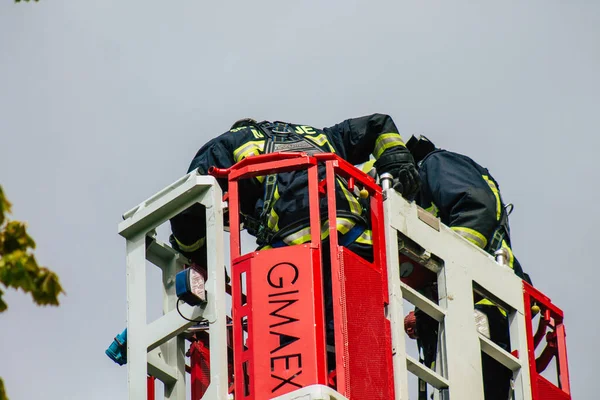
(465, 197)
(286, 214)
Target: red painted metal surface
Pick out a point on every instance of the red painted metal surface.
(279, 325)
(551, 317)
(199, 366)
(151, 388)
(283, 347)
(367, 333)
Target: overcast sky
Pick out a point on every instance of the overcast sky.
(103, 103)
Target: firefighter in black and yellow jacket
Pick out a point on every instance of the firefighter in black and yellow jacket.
(466, 198)
(275, 208)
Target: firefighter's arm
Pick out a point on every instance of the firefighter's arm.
(377, 134)
(189, 227)
(459, 192)
(360, 137)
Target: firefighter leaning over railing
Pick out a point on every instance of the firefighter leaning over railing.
(465, 197)
(275, 207)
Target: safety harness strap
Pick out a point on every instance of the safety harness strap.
(281, 133)
(501, 232)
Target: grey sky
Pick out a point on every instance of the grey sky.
(102, 103)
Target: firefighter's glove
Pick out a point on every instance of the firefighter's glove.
(400, 164)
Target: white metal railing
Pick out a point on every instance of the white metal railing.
(461, 269)
(158, 348)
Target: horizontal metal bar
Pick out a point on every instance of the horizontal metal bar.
(160, 254)
(159, 369)
(162, 192)
(426, 305)
(429, 376)
(271, 167)
(499, 354)
(149, 216)
(171, 325)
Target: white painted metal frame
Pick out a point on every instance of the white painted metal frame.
(158, 348)
(312, 392)
(460, 266)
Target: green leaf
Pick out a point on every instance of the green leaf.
(4, 206)
(2, 392)
(15, 238)
(19, 270)
(48, 288)
(18, 267)
(3, 306)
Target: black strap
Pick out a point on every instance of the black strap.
(501, 232)
(263, 233)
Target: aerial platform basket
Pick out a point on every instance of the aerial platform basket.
(273, 346)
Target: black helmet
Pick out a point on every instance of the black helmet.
(419, 147)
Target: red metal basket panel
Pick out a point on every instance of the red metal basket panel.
(543, 389)
(368, 342)
(548, 391)
(285, 345)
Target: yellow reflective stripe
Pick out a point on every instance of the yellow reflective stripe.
(302, 236)
(247, 149)
(486, 302)
(257, 134)
(471, 235)
(343, 226)
(355, 207)
(494, 189)
(511, 257)
(191, 247)
(260, 179)
(386, 141)
(273, 220)
(432, 209)
(267, 247)
(321, 140)
(368, 166)
(365, 238)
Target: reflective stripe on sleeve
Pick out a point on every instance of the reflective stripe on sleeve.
(386, 141)
(247, 149)
(191, 247)
(471, 235)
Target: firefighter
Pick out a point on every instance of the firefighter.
(275, 208)
(465, 197)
